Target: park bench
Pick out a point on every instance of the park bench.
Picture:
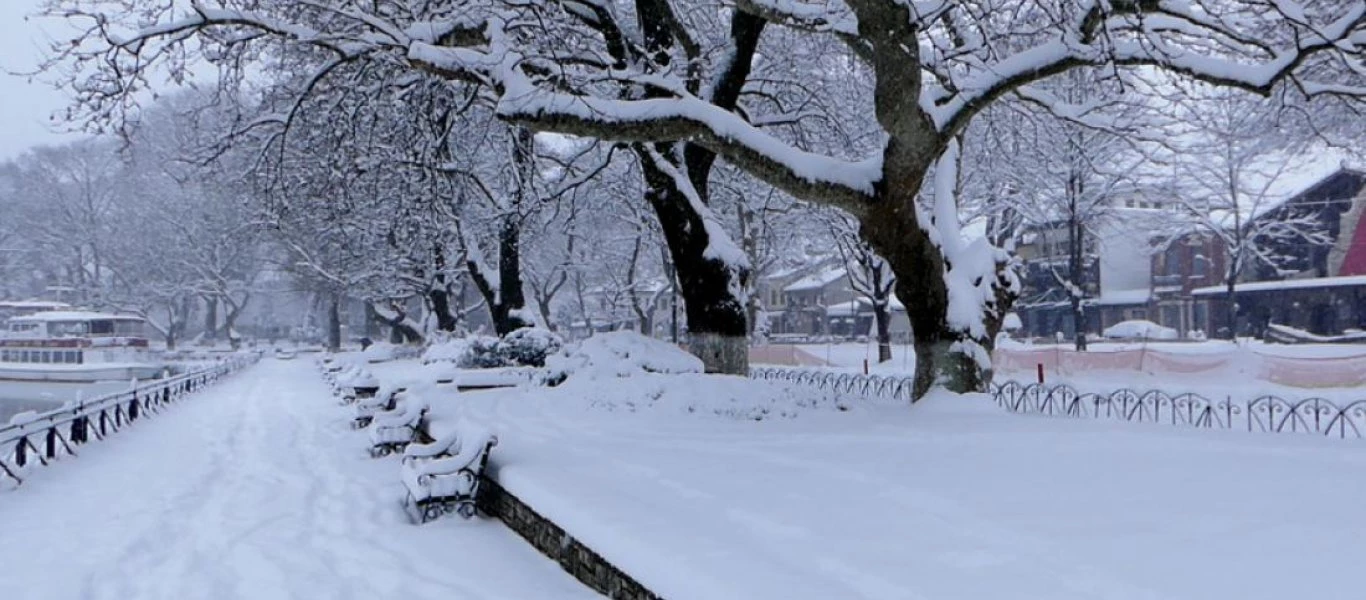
(444, 476)
(392, 430)
(367, 407)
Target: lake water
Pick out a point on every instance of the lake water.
(19, 396)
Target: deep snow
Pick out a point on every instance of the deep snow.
(951, 499)
(255, 488)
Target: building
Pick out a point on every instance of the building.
(1319, 287)
(816, 300)
(1118, 271)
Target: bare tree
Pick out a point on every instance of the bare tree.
(664, 82)
(869, 275)
(1229, 176)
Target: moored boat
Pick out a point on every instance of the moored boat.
(77, 346)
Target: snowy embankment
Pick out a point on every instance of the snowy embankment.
(1213, 368)
(950, 499)
(255, 489)
(953, 498)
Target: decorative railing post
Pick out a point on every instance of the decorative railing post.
(70, 426)
(1265, 413)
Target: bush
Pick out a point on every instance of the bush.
(481, 352)
(528, 346)
(619, 354)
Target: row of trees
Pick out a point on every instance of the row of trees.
(138, 231)
(872, 107)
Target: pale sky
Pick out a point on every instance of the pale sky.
(25, 107)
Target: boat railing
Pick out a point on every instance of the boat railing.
(49, 435)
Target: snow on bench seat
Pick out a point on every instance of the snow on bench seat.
(444, 475)
(392, 430)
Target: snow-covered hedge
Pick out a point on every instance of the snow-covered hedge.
(529, 346)
(619, 354)
(524, 347)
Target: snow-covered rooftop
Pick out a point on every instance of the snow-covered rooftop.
(74, 315)
(1288, 284)
(815, 281)
(33, 304)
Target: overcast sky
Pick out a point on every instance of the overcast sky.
(25, 107)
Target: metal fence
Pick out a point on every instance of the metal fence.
(60, 432)
(1264, 413)
(881, 387)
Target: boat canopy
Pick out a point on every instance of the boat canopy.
(77, 324)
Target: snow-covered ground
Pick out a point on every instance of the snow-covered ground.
(255, 488)
(950, 499)
(258, 489)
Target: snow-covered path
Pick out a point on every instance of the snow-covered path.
(255, 488)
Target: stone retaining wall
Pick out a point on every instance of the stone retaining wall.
(552, 540)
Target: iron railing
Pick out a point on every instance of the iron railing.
(1265, 413)
(59, 432)
(881, 387)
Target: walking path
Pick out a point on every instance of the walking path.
(255, 488)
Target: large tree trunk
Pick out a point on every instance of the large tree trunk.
(334, 337)
(440, 298)
(882, 319)
(1232, 311)
(440, 294)
(716, 315)
(400, 331)
(210, 318)
(1079, 324)
(944, 356)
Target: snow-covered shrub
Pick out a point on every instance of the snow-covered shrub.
(528, 346)
(451, 350)
(619, 354)
(481, 352)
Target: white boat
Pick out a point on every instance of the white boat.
(77, 346)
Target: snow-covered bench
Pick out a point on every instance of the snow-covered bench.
(367, 408)
(393, 430)
(355, 383)
(444, 476)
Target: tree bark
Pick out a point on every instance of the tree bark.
(440, 298)
(210, 318)
(1232, 311)
(334, 340)
(944, 356)
(440, 294)
(883, 320)
(717, 327)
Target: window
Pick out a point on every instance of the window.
(128, 327)
(101, 327)
(1199, 265)
(1129, 203)
(1173, 260)
(69, 328)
